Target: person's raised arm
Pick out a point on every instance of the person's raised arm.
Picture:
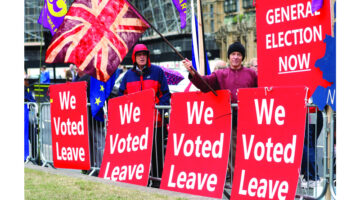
(187, 63)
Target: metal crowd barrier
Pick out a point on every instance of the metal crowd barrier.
(159, 145)
(97, 134)
(312, 182)
(305, 190)
(33, 133)
(332, 171)
(45, 141)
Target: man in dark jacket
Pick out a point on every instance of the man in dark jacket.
(144, 76)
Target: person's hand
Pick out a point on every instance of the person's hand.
(187, 63)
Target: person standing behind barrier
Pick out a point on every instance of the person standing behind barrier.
(73, 70)
(28, 95)
(253, 64)
(233, 77)
(142, 76)
(82, 76)
(44, 75)
(68, 75)
(220, 64)
(309, 166)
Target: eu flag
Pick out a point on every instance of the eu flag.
(99, 92)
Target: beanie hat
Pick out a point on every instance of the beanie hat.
(237, 46)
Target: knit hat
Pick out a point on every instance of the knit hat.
(237, 46)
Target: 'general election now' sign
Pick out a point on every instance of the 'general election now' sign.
(69, 125)
(290, 40)
(129, 136)
(198, 145)
(270, 139)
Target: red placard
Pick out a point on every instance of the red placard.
(270, 139)
(129, 138)
(198, 145)
(290, 40)
(69, 125)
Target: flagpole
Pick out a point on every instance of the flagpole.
(173, 48)
(201, 39)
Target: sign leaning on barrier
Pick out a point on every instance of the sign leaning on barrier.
(290, 40)
(198, 145)
(129, 138)
(270, 139)
(69, 125)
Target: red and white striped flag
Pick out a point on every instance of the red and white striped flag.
(96, 35)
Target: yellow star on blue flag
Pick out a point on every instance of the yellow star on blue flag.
(97, 101)
(99, 92)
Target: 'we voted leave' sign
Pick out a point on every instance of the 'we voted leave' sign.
(129, 138)
(270, 139)
(69, 125)
(198, 144)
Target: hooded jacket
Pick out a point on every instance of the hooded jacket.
(151, 76)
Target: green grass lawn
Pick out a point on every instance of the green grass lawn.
(42, 185)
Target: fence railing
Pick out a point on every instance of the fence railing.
(317, 167)
(33, 141)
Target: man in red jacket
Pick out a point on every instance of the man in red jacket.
(144, 76)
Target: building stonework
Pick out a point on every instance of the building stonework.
(230, 21)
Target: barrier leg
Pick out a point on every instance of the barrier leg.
(329, 113)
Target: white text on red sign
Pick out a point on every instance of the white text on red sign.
(293, 63)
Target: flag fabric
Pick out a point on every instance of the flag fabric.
(195, 48)
(96, 36)
(172, 77)
(52, 14)
(195, 45)
(99, 92)
(316, 5)
(327, 64)
(181, 7)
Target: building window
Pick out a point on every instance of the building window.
(248, 4)
(230, 6)
(212, 26)
(211, 11)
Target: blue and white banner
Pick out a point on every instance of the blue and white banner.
(195, 43)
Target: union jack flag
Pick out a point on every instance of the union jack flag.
(96, 35)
